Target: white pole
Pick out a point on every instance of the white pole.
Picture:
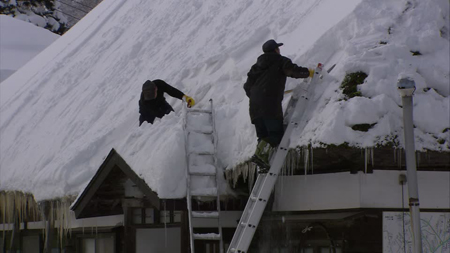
(406, 88)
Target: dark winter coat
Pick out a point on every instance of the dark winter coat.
(266, 83)
(158, 107)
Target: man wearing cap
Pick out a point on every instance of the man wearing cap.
(265, 86)
(153, 104)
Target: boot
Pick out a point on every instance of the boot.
(261, 156)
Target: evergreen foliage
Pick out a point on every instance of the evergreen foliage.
(52, 19)
(350, 83)
(363, 127)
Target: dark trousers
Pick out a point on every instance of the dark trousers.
(269, 130)
(161, 112)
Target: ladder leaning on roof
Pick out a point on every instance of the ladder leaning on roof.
(264, 184)
(202, 180)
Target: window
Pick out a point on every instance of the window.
(177, 216)
(165, 216)
(149, 216)
(143, 216)
(99, 244)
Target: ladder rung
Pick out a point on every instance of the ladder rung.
(206, 192)
(199, 110)
(205, 170)
(205, 174)
(202, 153)
(209, 236)
(200, 131)
(211, 215)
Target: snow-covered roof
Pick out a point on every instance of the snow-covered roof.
(19, 42)
(62, 113)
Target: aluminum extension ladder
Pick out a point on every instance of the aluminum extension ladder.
(202, 180)
(265, 183)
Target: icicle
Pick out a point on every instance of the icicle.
(306, 157)
(252, 170)
(291, 162)
(418, 158)
(294, 162)
(372, 155)
(395, 155)
(16, 207)
(365, 160)
(165, 225)
(286, 163)
(251, 167)
(244, 173)
(312, 160)
(44, 227)
(63, 215)
(3, 211)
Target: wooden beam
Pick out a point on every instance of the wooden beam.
(15, 235)
(94, 184)
(113, 162)
(129, 242)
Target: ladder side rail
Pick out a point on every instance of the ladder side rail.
(251, 217)
(246, 213)
(188, 180)
(215, 140)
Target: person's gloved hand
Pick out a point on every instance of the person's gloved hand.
(190, 101)
(311, 72)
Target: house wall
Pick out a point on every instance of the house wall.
(380, 189)
(228, 219)
(158, 240)
(104, 221)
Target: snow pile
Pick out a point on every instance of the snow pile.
(62, 114)
(45, 14)
(20, 42)
(387, 41)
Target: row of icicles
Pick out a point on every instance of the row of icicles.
(18, 207)
(296, 157)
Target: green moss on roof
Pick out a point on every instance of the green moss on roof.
(350, 83)
(363, 127)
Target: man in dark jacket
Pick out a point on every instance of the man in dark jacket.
(265, 88)
(153, 104)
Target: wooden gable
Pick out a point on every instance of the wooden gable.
(106, 191)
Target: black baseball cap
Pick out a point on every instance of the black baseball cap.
(270, 46)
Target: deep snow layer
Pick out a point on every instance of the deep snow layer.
(60, 116)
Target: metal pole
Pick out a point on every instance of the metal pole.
(406, 88)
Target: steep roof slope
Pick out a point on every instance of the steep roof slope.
(19, 42)
(61, 115)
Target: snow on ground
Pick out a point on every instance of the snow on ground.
(61, 115)
(19, 42)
